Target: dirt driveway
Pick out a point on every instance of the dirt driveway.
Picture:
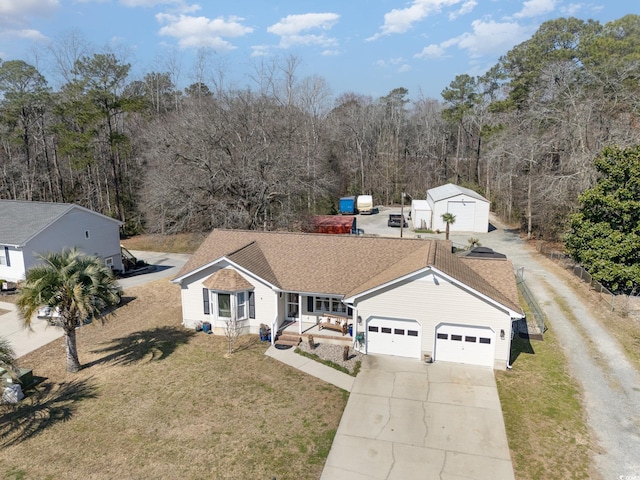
(610, 383)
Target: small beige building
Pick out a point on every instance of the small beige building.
(403, 297)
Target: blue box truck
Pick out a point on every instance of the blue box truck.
(347, 205)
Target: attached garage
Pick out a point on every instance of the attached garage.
(467, 344)
(399, 337)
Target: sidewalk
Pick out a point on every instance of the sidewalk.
(311, 367)
(21, 339)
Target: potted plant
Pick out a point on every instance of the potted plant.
(265, 333)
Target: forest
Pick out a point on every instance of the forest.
(168, 160)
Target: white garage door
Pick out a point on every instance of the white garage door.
(394, 337)
(465, 344)
(465, 213)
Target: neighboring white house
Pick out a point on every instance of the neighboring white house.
(470, 208)
(404, 297)
(420, 214)
(31, 228)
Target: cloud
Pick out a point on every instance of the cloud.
(431, 51)
(25, 33)
(487, 38)
(292, 29)
(179, 5)
(15, 17)
(24, 8)
(535, 8)
(193, 32)
(399, 20)
(467, 7)
(260, 50)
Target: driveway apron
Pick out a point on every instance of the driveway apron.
(409, 420)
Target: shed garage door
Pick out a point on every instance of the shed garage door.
(465, 213)
(394, 337)
(465, 344)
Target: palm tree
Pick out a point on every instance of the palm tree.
(77, 287)
(448, 219)
(7, 357)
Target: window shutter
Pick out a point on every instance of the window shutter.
(6, 256)
(310, 304)
(350, 311)
(252, 304)
(205, 301)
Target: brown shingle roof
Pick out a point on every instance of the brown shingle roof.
(227, 280)
(334, 264)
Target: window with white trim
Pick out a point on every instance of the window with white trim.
(241, 305)
(4, 256)
(329, 305)
(224, 305)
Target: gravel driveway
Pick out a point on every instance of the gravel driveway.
(610, 384)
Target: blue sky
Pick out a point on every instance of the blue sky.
(365, 46)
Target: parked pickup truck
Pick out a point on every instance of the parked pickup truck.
(397, 220)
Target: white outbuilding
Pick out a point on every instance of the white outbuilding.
(470, 208)
(420, 214)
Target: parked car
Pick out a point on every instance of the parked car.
(397, 220)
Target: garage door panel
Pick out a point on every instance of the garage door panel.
(465, 213)
(394, 337)
(465, 344)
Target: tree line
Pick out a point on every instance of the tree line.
(164, 159)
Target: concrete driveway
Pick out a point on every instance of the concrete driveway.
(408, 420)
(24, 340)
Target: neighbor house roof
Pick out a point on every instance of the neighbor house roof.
(333, 264)
(20, 221)
(450, 190)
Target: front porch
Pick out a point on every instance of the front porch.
(292, 329)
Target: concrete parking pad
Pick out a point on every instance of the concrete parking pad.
(409, 420)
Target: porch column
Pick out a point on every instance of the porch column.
(299, 314)
(354, 321)
(274, 325)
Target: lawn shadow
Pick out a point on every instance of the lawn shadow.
(48, 404)
(519, 345)
(153, 345)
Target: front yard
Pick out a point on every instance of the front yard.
(158, 401)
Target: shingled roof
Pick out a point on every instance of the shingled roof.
(20, 220)
(335, 264)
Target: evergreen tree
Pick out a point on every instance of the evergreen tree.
(604, 235)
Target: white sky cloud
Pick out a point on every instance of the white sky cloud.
(467, 7)
(431, 51)
(534, 8)
(400, 20)
(21, 8)
(193, 31)
(293, 29)
(25, 33)
(487, 38)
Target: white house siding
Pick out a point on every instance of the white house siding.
(15, 270)
(193, 310)
(432, 300)
(69, 232)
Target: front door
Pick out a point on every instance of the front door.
(292, 306)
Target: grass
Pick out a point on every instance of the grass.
(542, 407)
(158, 401)
(180, 243)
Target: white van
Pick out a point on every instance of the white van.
(364, 204)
